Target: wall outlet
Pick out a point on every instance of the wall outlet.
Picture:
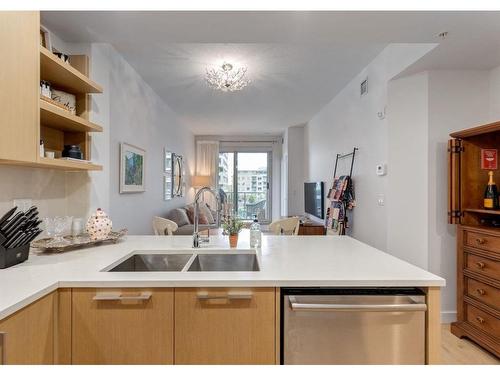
(381, 169)
(22, 203)
(381, 200)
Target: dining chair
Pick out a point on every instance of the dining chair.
(288, 227)
(163, 227)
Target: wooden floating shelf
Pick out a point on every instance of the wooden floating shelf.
(64, 165)
(68, 165)
(482, 211)
(62, 75)
(57, 118)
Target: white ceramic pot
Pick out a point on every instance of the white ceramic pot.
(99, 225)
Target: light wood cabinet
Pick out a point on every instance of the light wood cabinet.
(225, 326)
(122, 326)
(29, 334)
(19, 78)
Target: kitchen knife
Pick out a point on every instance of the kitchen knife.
(33, 223)
(7, 215)
(32, 213)
(11, 222)
(21, 240)
(9, 244)
(31, 237)
(16, 226)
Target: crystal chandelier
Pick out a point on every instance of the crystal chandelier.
(226, 79)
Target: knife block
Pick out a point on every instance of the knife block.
(11, 257)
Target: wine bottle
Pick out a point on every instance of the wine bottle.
(491, 194)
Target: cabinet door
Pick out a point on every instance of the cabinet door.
(29, 334)
(20, 80)
(122, 326)
(224, 326)
(454, 168)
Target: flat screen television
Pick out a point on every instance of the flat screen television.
(314, 199)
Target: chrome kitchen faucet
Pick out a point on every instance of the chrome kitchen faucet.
(196, 235)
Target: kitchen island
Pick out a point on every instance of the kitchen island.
(78, 287)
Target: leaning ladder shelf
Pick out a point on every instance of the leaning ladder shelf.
(343, 223)
(343, 156)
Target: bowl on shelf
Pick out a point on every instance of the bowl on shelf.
(72, 151)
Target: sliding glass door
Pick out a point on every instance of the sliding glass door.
(245, 177)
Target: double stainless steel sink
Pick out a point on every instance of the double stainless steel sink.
(156, 262)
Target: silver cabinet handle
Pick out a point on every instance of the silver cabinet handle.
(117, 296)
(350, 307)
(3, 348)
(228, 295)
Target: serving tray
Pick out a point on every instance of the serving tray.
(82, 240)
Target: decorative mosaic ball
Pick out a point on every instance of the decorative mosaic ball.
(99, 225)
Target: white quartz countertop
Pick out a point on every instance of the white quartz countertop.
(328, 261)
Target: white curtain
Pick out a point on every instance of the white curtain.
(207, 164)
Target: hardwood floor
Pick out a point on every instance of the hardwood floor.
(455, 351)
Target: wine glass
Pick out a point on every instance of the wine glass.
(61, 225)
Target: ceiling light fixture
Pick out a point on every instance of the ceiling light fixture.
(226, 79)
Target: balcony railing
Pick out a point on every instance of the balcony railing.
(250, 203)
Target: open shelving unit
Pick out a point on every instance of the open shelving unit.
(57, 118)
(65, 76)
(68, 165)
(25, 116)
(58, 126)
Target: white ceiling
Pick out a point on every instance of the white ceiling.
(297, 61)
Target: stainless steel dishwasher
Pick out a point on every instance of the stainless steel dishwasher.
(352, 326)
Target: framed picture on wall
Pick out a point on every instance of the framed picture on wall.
(132, 169)
(167, 187)
(167, 161)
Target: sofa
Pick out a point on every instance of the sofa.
(183, 217)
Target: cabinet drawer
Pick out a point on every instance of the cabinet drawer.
(122, 326)
(484, 266)
(483, 292)
(483, 321)
(224, 326)
(482, 241)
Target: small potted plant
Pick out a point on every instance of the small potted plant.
(232, 226)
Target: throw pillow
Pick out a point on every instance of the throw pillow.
(179, 216)
(202, 219)
(206, 211)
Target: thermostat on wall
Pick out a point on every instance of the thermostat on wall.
(381, 169)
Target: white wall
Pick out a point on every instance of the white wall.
(293, 170)
(129, 111)
(407, 210)
(457, 100)
(351, 121)
(137, 115)
(494, 103)
(46, 188)
(425, 108)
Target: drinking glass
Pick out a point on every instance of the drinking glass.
(62, 224)
(49, 226)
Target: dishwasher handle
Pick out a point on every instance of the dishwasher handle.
(409, 306)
